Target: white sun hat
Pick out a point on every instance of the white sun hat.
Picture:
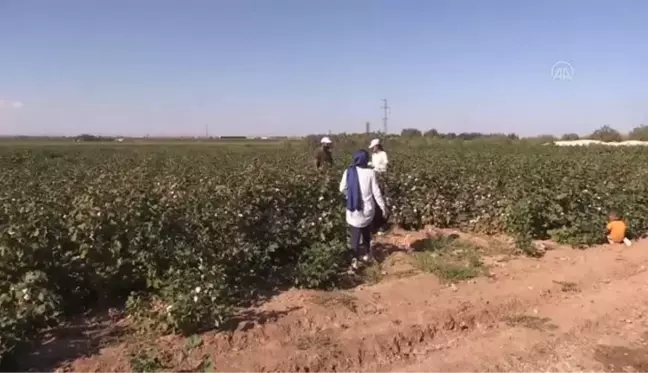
(326, 140)
(374, 142)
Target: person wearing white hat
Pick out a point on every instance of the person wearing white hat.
(323, 155)
(379, 159)
(379, 163)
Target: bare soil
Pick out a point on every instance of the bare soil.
(572, 310)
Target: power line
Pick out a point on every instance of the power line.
(385, 107)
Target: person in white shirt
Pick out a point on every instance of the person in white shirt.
(379, 163)
(360, 187)
(379, 159)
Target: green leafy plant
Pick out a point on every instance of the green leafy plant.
(147, 359)
(320, 265)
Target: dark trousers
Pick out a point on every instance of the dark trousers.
(379, 222)
(360, 240)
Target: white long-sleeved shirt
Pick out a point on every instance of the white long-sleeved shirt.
(370, 192)
(379, 161)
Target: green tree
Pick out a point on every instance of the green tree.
(545, 138)
(432, 133)
(606, 134)
(570, 137)
(639, 133)
(472, 135)
(411, 132)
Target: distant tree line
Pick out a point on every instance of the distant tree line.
(413, 132)
(605, 134)
(609, 134)
(92, 138)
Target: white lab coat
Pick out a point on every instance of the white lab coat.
(370, 192)
(379, 161)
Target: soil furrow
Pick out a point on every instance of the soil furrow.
(570, 310)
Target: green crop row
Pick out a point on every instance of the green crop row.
(185, 235)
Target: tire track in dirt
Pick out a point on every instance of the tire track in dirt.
(572, 335)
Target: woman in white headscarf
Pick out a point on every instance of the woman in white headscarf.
(379, 162)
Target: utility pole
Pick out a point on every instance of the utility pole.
(207, 130)
(367, 127)
(385, 109)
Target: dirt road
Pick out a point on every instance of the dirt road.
(571, 310)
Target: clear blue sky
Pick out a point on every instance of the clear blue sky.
(273, 67)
